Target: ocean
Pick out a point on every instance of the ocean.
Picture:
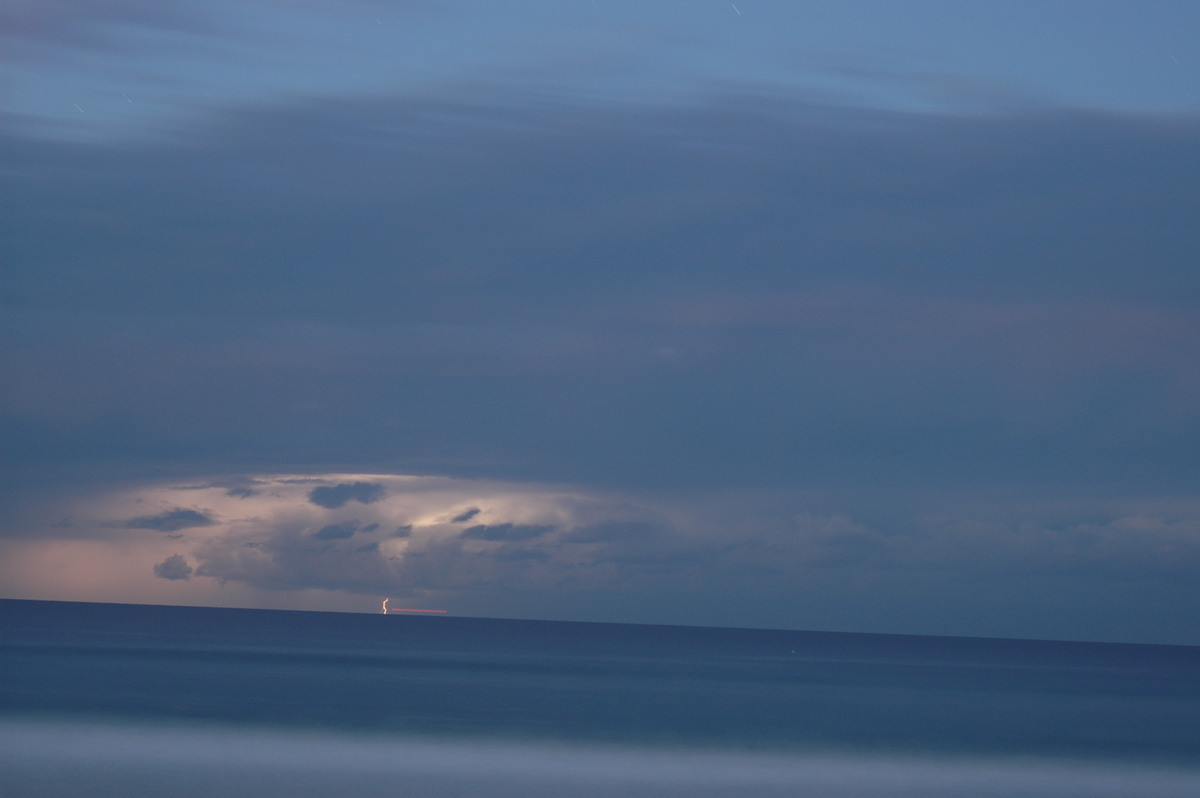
(133, 700)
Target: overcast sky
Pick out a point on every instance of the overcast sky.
(862, 316)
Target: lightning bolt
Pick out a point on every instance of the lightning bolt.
(384, 605)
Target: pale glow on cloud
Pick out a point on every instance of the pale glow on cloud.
(345, 542)
(249, 539)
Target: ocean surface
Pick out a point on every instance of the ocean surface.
(129, 700)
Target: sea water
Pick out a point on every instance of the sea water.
(124, 700)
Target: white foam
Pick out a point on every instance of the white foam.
(64, 759)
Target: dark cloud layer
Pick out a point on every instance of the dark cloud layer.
(505, 532)
(337, 531)
(338, 495)
(742, 291)
(170, 521)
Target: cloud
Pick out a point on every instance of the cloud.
(859, 309)
(572, 541)
(79, 23)
(407, 544)
(800, 559)
(170, 521)
(174, 567)
(505, 532)
(614, 532)
(338, 531)
(338, 495)
(465, 515)
(519, 555)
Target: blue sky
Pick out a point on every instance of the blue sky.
(860, 316)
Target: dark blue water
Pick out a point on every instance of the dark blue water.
(138, 694)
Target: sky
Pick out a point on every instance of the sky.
(856, 316)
